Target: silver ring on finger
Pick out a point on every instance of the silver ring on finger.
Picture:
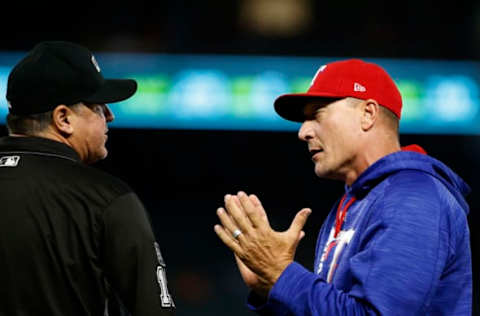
(237, 232)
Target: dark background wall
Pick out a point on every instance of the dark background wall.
(403, 29)
(182, 175)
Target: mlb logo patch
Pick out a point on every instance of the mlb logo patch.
(9, 161)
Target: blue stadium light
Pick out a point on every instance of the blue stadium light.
(225, 92)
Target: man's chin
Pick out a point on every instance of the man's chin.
(321, 173)
(97, 158)
(325, 173)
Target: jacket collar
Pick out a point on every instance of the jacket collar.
(37, 145)
(409, 160)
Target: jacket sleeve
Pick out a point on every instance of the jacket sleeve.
(301, 292)
(133, 263)
(402, 254)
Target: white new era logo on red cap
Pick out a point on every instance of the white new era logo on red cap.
(358, 87)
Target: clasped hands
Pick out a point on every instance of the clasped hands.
(260, 252)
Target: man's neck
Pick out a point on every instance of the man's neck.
(45, 134)
(368, 157)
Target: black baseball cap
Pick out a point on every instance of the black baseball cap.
(56, 72)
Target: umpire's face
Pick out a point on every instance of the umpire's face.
(90, 131)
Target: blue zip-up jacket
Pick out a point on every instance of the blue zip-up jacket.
(403, 249)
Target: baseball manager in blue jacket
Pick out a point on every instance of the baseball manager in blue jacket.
(396, 243)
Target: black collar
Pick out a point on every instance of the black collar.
(37, 145)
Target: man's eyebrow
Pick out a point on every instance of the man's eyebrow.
(310, 110)
(315, 107)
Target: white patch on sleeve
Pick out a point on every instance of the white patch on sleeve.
(165, 297)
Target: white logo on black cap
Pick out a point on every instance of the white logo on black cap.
(94, 62)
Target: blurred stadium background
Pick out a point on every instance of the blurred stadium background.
(202, 124)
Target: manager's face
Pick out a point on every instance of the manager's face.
(331, 130)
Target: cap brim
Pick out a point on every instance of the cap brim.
(113, 90)
(290, 106)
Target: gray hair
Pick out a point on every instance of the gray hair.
(31, 124)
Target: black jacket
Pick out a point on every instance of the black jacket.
(73, 239)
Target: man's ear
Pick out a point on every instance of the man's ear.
(62, 119)
(370, 114)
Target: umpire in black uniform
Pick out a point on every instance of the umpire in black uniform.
(73, 239)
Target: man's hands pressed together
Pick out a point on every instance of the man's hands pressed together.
(261, 253)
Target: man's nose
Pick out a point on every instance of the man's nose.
(305, 132)
(109, 116)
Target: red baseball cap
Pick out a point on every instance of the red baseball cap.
(340, 79)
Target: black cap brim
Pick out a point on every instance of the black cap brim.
(113, 90)
(291, 106)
